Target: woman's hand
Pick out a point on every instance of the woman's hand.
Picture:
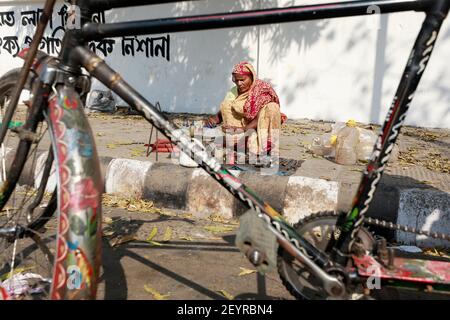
(211, 122)
(232, 129)
(252, 125)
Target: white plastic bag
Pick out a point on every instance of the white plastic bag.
(366, 143)
(20, 284)
(336, 127)
(324, 145)
(346, 144)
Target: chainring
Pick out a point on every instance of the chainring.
(317, 229)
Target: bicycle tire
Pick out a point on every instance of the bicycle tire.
(318, 229)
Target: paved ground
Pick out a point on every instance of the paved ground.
(186, 259)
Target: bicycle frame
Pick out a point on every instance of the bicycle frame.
(75, 54)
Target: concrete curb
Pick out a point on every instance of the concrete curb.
(173, 186)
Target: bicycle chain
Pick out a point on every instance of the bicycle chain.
(370, 221)
(398, 227)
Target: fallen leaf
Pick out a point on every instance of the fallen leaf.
(219, 229)
(111, 146)
(152, 234)
(187, 216)
(122, 239)
(156, 295)
(216, 218)
(154, 243)
(167, 235)
(186, 238)
(130, 204)
(5, 276)
(107, 220)
(226, 294)
(108, 233)
(138, 152)
(437, 252)
(245, 271)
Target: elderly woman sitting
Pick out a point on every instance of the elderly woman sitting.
(250, 116)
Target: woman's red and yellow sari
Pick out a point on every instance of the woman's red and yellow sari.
(260, 103)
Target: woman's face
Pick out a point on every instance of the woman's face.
(243, 82)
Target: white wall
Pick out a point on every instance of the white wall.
(326, 69)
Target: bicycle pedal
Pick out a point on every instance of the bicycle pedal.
(257, 242)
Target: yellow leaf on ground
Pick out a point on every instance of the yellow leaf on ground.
(107, 220)
(186, 238)
(437, 252)
(152, 234)
(5, 276)
(219, 229)
(245, 271)
(122, 239)
(167, 234)
(154, 243)
(111, 145)
(226, 294)
(156, 295)
(166, 213)
(216, 218)
(108, 233)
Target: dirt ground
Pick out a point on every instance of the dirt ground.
(157, 254)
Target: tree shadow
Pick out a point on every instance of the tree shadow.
(202, 64)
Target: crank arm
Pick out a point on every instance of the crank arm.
(333, 286)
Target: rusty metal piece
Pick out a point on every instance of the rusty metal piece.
(93, 64)
(115, 79)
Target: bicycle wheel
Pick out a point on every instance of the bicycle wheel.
(318, 229)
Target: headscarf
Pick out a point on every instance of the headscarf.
(260, 93)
